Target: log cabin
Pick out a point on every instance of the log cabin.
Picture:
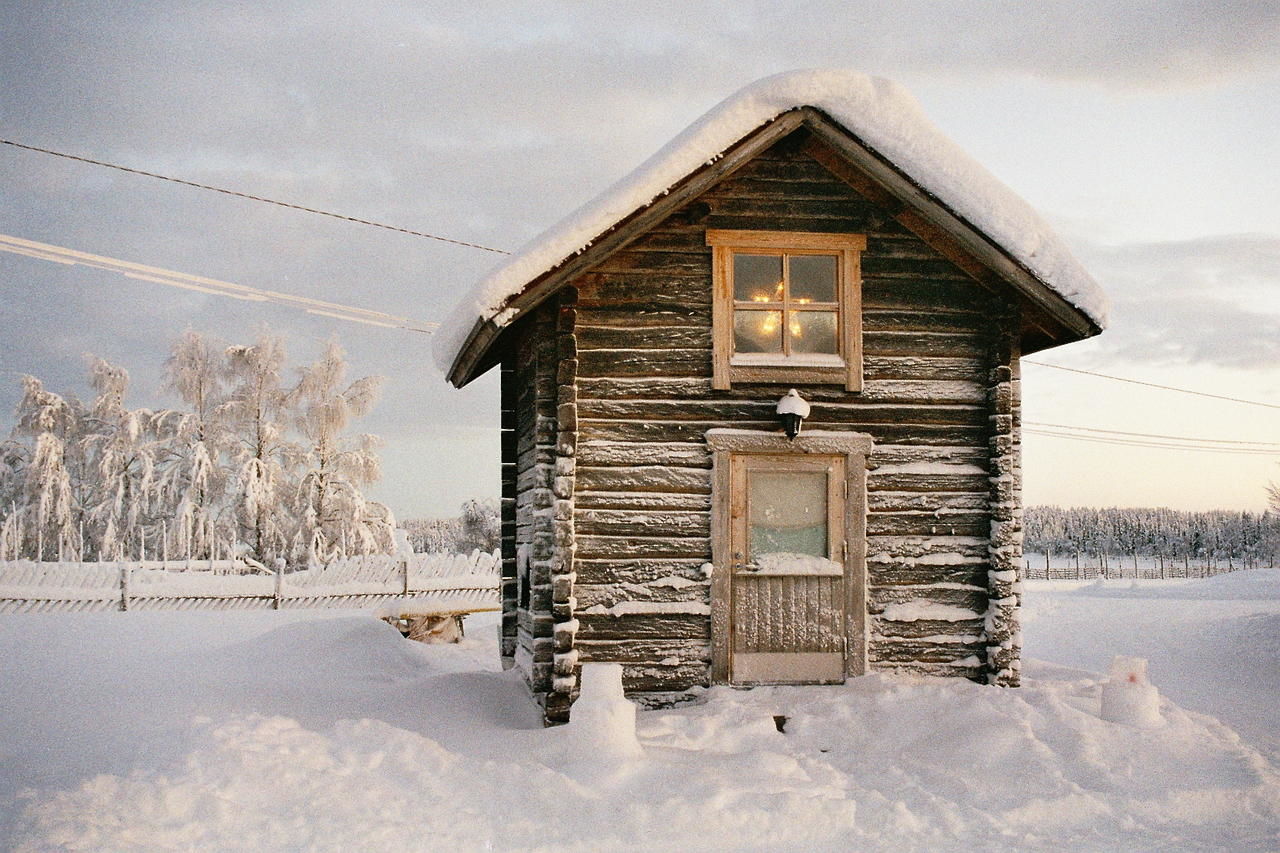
(813, 239)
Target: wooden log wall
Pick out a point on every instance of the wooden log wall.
(530, 395)
(1004, 576)
(644, 403)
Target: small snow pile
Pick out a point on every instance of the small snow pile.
(1127, 696)
(602, 724)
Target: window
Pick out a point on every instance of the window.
(787, 307)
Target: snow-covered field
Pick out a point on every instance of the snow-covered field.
(327, 731)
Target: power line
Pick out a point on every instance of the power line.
(1117, 432)
(224, 191)
(200, 284)
(1121, 442)
(1152, 384)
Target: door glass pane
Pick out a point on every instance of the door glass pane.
(813, 331)
(787, 514)
(813, 278)
(757, 278)
(757, 331)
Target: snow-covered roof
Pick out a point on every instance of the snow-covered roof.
(882, 114)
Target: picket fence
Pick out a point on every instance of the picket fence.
(447, 581)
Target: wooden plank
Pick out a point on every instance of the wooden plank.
(619, 362)
(642, 546)
(610, 569)
(605, 522)
(928, 524)
(632, 454)
(643, 478)
(641, 501)
(644, 337)
(648, 626)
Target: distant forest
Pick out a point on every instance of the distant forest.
(1216, 538)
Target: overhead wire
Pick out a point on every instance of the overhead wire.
(1152, 384)
(250, 197)
(201, 284)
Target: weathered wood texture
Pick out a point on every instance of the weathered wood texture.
(645, 401)
(529, 472)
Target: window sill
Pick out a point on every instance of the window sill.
(788, 373)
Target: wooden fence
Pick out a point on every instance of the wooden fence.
(451, 581)
(1090, 567)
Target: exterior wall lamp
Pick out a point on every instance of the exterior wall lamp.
(792, 410)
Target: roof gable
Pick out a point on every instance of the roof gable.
(867, 131)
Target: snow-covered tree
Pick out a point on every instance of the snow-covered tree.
(46, 512)
(334, 517)
(261, 455)
(120, 445)
(191, 482)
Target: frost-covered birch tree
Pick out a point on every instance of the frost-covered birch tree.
(334, 519)
(120, 445)
(191, 481)
(261, 455)
(45, 509)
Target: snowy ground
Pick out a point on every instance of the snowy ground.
(326, 731)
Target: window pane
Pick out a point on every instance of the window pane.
(757, 278)
(813, 278)
(787, 513)
(757, 331)
(813, 331)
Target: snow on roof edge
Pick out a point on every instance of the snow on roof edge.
(878, 111)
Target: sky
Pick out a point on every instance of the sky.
(1145, 132)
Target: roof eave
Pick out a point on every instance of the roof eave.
(466, 366)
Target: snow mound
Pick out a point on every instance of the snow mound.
(880, 112)
(866, 766)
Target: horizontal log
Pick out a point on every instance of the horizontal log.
(906, 573)
(927, 524)
(949, 344)
(879, 597)
(637, 571)
(669, 264)
(883, 294)
(639, 362)
(854, 214)
(879, 367)
(732, 411)
(914, 652)
(890, 391)
(644, 337)
(664, 678)
(775, 222)
(884, 629)
(904, 454)
(645, 626)
(647, 651)
(609, 594)
(895, 549)
(638, 288)
(608, 522)
(924, 321)
(621, 547)
(643, 478)
(641, 501)
(690, 431)
(936, 268)
(940, 503)
(773, 187)
(679, 454)
(925, 481)
(656, 313)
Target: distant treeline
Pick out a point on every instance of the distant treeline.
(1215, 538)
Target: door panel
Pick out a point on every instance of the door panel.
(788, 593)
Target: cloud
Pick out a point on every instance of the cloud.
(1211, 300)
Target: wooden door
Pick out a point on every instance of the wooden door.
(789, 578)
